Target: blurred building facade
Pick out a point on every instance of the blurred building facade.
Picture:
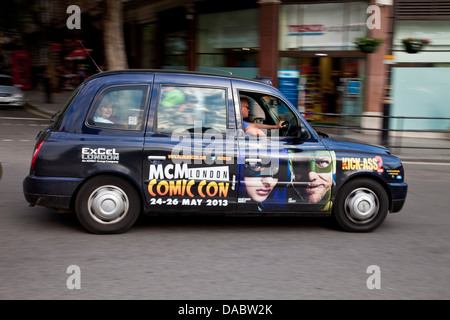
(42, 46)
(251, 38)
(313, 40)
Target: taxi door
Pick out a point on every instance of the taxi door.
(282, 170)
(190, 146)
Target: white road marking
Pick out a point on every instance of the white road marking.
(432, 163)
(12, 140)
(23, 124)
(19, 118)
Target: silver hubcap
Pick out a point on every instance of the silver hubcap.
(361, 205)
(108, 204)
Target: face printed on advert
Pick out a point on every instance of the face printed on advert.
(260, 180)
(313, 176)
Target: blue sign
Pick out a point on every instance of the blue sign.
(288, 84)
(354, 87)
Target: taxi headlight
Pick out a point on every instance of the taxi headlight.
(18, 95)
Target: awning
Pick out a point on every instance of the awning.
(78, 54)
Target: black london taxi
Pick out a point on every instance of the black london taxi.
(135, 142)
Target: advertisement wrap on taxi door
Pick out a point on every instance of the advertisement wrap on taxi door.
(297, 181)
(181, 184)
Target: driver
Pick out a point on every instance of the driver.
(255, 128)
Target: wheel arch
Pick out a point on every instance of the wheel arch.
(121, 175)
(365, 175)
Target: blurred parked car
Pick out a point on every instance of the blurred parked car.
(10, 94)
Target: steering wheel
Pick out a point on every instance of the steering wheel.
(286, 128)
(194, 130)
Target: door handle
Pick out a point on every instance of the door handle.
(156, 158)
(252, 161)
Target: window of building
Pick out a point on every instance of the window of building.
(228, 42)
(323, 26)
(326, 85)
(172, 39)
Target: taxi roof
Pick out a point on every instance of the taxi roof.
(258, 79)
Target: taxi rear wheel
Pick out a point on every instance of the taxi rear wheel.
(107, 204)
(361, 206)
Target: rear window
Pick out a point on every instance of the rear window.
(120, 107)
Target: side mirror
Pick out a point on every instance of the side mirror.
(302, 132)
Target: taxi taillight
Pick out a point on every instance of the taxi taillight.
(36, 151)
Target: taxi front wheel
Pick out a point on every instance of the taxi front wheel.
(361, 205)
(107, 204)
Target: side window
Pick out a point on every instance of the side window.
(187, 108)
(120, 107)
(265, 112)
(280, 110)
(256, 113)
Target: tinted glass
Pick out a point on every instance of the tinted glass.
(189, 108)
(120, 107)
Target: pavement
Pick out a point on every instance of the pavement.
(433, 148)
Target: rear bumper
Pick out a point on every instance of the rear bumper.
(398, 192)
(54, 192)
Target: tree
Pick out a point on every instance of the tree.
(45, 18)
(115, 55)
(13, 18)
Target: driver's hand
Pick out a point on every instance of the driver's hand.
(281, 124)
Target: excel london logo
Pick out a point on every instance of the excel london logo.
(103, 155)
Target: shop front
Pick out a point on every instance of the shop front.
(421, 80)
(317, 41)
(261, 38)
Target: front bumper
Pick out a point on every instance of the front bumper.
(398, 192)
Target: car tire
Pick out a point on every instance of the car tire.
(361, 205)
(107, 204)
